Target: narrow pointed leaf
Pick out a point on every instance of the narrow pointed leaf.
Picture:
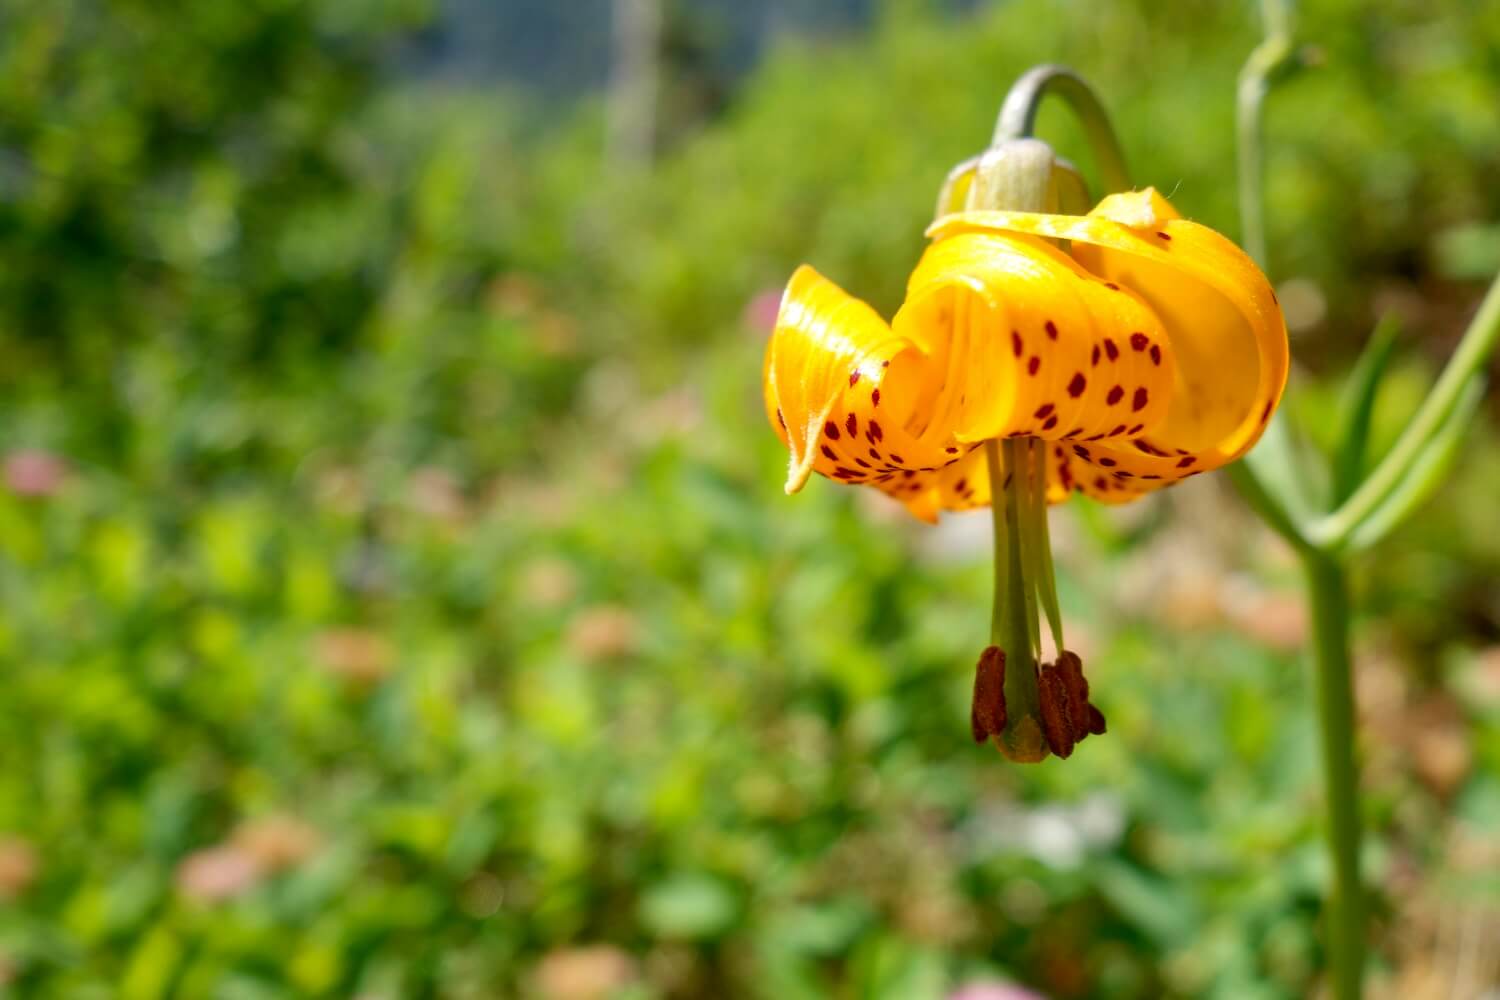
(1358, 406)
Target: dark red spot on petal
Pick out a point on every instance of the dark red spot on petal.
(897, 459)
(875, 398)
(1051, 423)
(853, 378)
(1076, 387)
(1094, 360)
(875, 432)
(1034, 365)
(1138, 401)
(1164, 236)
(828, 454)
(875, 454)
(1043, 410)
(1118, 430)
(951, 450)
(1186, 462)
(781, 420)
(852, 426)
(1111, 349)
(958, 487)
(1112, 286)
(1016, 344)
(1115, 395)
(1138, 341)
(1108, 463)
(862, 463)
(1266, 413)
(1156, 354)
(832, 430)
(1051, 328)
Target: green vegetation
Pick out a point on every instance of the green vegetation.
(400, 601)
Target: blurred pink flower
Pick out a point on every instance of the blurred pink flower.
(604, 632)
(32, 472)
(215, 874)
(591, 972)
(358, 656)
(436, 493)
(277, 842)
(18, 866)
(760, 312)
(988, 989)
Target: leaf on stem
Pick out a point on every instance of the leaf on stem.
(1358, 406)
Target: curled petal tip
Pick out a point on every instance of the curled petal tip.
(1137, 209)
(797, 475)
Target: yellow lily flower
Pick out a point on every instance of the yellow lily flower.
(1123, 351)
(1152, 351)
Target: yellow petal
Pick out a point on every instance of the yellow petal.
(1222, 323)
(825, 367)
(1019, 340)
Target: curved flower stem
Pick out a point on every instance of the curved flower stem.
(1018, 117)
(1273, 55)
(1332, 533)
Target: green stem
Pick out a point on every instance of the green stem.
(1328, 593)
(1018, 117)
(1333, 532)
(1327, 583)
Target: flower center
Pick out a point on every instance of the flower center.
(1027, 707)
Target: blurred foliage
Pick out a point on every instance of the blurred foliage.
(400, 600)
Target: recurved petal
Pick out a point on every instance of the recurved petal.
(825, 344)
(1222, 323)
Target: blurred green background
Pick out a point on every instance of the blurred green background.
(399, 599)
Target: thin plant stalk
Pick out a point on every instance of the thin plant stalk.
(1328, 595)
(1326, 580)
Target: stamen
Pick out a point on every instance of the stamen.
(1057, 721)
(1070, 668)
(1046, 579)
(987, 716)
(1027, 515)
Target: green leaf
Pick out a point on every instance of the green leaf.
(1357, 407)
(690, 906)
(1426, 473)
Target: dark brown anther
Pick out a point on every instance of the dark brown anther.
(1096, 721)
(1052, 697)
(988, 713)
(1070, 668)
